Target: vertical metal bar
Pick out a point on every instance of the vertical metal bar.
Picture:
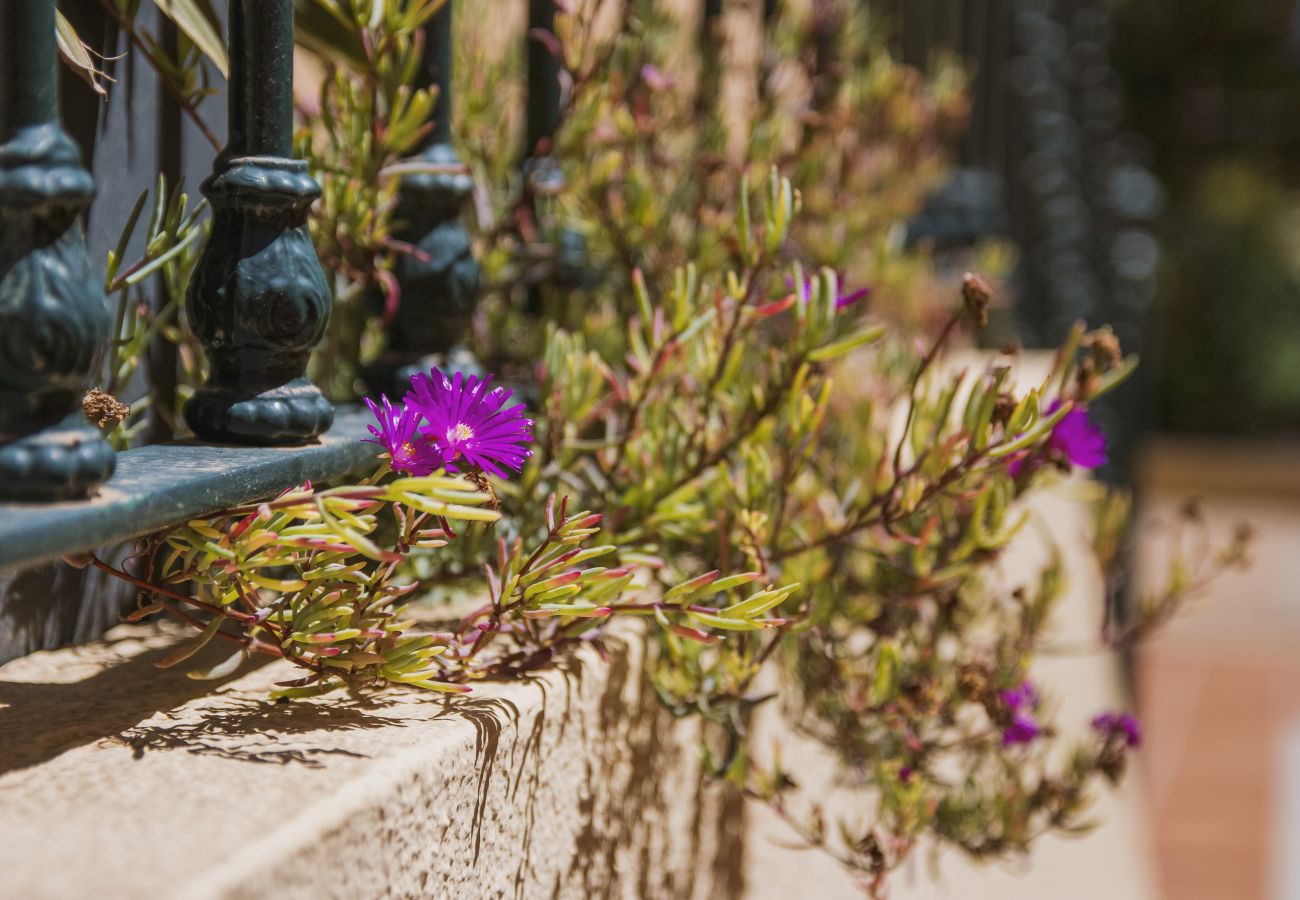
(438, 63)
(543, 115)
(34, 97)
(53, 318)
(162, 354)
(258, 301)
(439, 287)
(542, 176)
(710, 56)
(975, 46)
(261, 78)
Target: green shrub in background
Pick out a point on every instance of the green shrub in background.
(1211, 86)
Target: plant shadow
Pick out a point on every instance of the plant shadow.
(41, 719)
(258, 731)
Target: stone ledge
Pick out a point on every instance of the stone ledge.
(119, 780)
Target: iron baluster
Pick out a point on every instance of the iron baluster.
(53, 317)
(258, 301)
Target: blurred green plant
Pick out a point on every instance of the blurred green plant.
(651, 150)
(173, 238)
(182, 72)
(356, 137)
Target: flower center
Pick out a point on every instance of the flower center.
(459, 432)
(406, 451)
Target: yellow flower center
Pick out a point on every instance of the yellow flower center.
(406, 450)
(460, 432)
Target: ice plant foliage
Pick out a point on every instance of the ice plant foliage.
(715, 435)
(843, 297)
(744, 502)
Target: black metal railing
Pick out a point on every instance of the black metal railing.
(53, 318)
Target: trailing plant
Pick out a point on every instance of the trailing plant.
(320, 577)
(732, 494)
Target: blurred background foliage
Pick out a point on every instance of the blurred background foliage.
(1214, 88)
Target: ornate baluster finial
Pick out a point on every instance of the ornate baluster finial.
(258, 301)
(53, 318)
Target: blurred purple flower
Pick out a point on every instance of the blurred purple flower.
(1080, 441)
(655, 79)
(1075, 437)
(1024, 728)
(464, 416)
(407, 449)
(1021, 698)
(1124, 725)
(842, 300)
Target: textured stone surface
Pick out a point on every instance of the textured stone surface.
(121, 781)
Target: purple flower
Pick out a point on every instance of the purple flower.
(407, 449)
(1075, 438)
(1022, 730)
(905, 775)
(464, 417)
(1119, 725)
(842, 299)
(655, 79)
(1021, 702)
(1021, 698)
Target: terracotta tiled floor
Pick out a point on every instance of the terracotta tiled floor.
(1220, 694)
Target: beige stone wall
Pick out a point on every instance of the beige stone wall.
(117, 780)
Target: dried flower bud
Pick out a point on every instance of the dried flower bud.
(976, 294)
(79, 560)
(1104, 347)
(1112, 762)
(103, 409)
(1003, 407)
(1086, 378)
(973, 679)
(1193, 509)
